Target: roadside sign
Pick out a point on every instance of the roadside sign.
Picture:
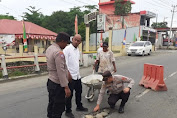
(90, 17)
(101, 18)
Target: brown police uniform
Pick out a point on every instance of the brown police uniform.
(58, 79)
(116, 90)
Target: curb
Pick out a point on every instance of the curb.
(10, 79)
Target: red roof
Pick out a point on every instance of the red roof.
(32, 30)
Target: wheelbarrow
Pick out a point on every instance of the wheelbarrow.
(93, 82)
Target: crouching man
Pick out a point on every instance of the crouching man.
(115, 85)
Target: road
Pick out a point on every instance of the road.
(28, 98)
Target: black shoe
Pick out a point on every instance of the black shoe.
(81, 109)
(121, 109)
(112, 106)
(69, 114)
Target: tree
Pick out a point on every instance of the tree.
(159, 25)
(81, 30)
(7, 17)
(58, 22)
(34, 15)
(122, 8)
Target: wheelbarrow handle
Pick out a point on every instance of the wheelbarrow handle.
(93, 72)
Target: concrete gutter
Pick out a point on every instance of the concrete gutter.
(2, 80)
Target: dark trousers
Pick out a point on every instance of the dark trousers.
(113, 98)
(56, 105)
(77, 86)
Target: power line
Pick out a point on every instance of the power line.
(163, 3)
(156, 5)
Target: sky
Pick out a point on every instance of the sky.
(18, 7)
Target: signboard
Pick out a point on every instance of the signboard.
(101, 18)
(149, 29)
(90, 17)
(6, 39)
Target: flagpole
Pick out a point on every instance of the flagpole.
(24, 38)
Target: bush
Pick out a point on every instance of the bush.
(17, 73)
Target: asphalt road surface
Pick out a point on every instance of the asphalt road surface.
(28, 98)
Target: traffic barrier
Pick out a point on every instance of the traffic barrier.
(153, 77)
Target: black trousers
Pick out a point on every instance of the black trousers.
(56, 105)
(113, 98)
(77, 86)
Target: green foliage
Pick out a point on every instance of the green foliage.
(159, 25)
(122, 8)
(57, 22)
(17, 73)
(106, 39)
(7, 17)
(81, 30)
(33, 15)
(64, 21)
(141, 38)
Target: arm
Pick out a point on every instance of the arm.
(128, 80)
(100, 97)
(96, 62)
(113, 61)
(61, 69)
(114, 65)
(62, 72)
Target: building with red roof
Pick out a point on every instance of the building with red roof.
(36, 35)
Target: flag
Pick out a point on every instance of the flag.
(156, 37)
(134, 38)
(24, 38)
(139, 33)
(76, 25)
(124, 41)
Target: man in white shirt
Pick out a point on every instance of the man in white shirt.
(72, 56)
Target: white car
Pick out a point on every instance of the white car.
(140, 48)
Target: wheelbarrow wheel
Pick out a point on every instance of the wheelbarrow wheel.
(90, 94)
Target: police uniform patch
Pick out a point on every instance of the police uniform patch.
(61, 54)
(124, 79)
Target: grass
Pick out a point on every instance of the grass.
(17, 73)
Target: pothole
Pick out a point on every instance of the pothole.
(102, 113)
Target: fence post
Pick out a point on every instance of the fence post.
(37, 69)
(3, 65)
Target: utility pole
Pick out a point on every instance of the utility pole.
(173, 11)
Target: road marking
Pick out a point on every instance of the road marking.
(172, 74)
(165, 79)
(147, 90)
(143, 93)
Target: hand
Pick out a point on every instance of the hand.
(115, 70)
(69, 77)
(93, 67)
(126, 90)
(96, 108)
(67, 92)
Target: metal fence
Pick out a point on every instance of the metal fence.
(4, 68)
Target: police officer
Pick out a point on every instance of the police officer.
(115, 85)
(57, 84)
